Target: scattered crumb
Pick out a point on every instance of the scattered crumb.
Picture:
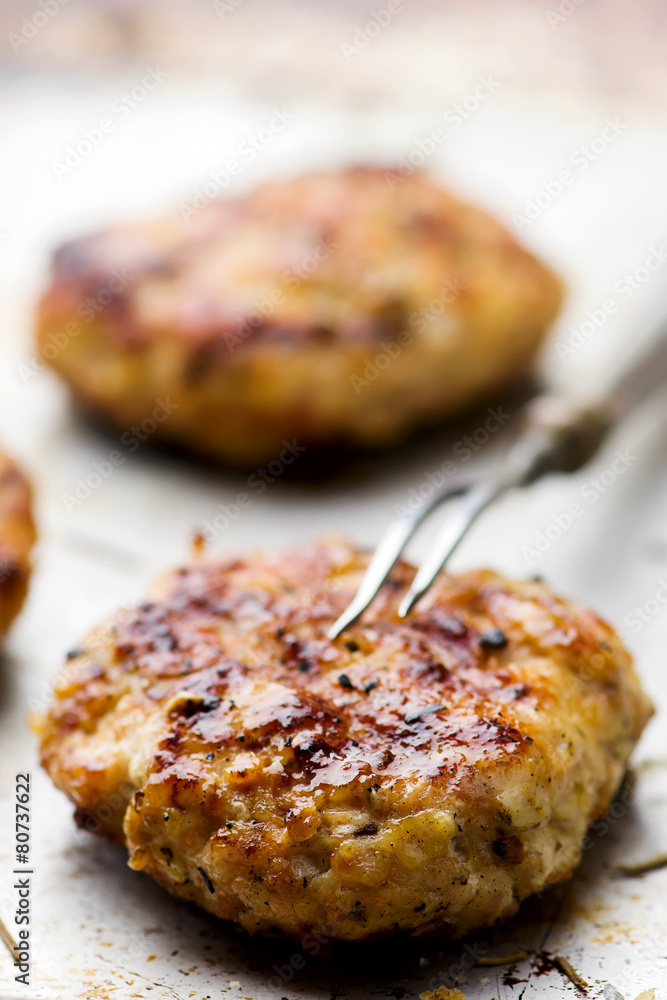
(442, 993)
(614, 930)
(235, 984)
(571, 973)
(592, 912)
(484, 981)
(650, 865)
(649, 764)
(151, 958)
(513, 956)
(8, 941)
(646, 995)
(611, 993)
(198, 544)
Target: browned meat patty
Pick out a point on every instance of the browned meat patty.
(331, 309)
(415, 775)
(17, 536)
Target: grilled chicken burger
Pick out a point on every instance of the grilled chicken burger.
(414, 775)
(337, 308)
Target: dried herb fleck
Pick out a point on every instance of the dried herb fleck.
(206, 880)
(571, 973)
(422, 712)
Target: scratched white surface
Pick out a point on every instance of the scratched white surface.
(100, 930)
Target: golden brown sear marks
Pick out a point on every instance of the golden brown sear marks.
(338, 307)
(17, 536)
(414, 775)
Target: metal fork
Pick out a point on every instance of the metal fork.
(560, 434)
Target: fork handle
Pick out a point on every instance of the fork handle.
(644, 375)
(561, 433)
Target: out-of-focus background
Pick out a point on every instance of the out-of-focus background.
(525, 91)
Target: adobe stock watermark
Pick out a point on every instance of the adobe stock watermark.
(257, 483)
(464, 449)
(642, 614)
(290, 279)
(456, 973)
(418, 322)
(452, 120)
(225, 7)
(31, 26)
(248, 150)
(88, 309)
(565, 9)
(590, 492)
(7, 568)
(121, 108)
(579, 161)
(624, 289)
(630, 795)
(96, 642)
(130, 440)
(364, 34)
(313, 943)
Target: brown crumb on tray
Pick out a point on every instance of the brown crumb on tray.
(571, 973)
(513, 956)
(641, 867)
(8, 941)
(442, 993)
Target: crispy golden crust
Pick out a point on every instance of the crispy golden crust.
(17, 536)
(331, 308)
(414, 775)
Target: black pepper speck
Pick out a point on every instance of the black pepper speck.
(493, 639)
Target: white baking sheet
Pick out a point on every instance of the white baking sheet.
(100, 930)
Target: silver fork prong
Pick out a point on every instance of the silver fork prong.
(466, 511)
(392, 544)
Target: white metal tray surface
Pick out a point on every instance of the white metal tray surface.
(100, 930)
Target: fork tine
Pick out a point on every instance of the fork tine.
(391, 545)
(470, 505)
